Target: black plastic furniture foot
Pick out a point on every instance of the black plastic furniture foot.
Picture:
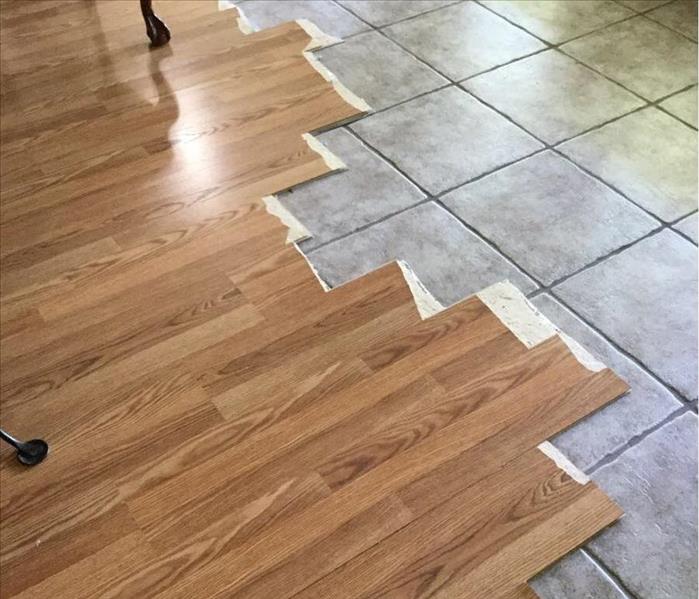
(29, 453)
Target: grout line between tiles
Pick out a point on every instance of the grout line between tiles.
(646, 14)
(674, 392)
(410, 18)
(663, 226)
(611, 576)
(636, 439)
(364, 227)
(488, 242)
(684, 403)
(551, 44)
(558, 45)
(542, 288)
(595, 262)
(640, 11)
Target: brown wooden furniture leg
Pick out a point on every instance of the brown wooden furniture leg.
(157, 31)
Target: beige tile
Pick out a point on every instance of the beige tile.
(680, 15)
(649, 156)
(559, 20)
(552, 95)
(463, 39)
(683, 105)
(641, 54)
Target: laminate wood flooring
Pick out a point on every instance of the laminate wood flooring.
(221, 426)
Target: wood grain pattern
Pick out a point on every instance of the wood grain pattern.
(221, 426)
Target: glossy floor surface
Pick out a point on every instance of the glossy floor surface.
(117, 258)
(552, 143)
(220, 424)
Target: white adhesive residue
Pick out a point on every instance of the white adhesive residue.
(318, 38)
(243, 22)
(564, 463)
(297, 231)
(426, 303)
(529, 325)
(323, 284)
(348, 96)
(331, 161)
(508, 303)
(584, 357)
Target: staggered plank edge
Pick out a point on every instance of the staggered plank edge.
(255, 433)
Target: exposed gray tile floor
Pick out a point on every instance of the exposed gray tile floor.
(645, 299)
(683, 105)
(627, 292)
(680, 15)
(653, 548)
(649, 156)
(643, 55)
(553, 96)
(576, 577)
(688, 226)
(378, 70)
(557, 21)
(329, 16)
(445, 138)
(384, 12)
(548, 215)
(367, 191)
(425, 237)
(472, 39)
(605, 432)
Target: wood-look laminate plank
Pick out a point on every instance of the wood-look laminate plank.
(252, 434)
(252, 559)
(97, 575)
(460, 535)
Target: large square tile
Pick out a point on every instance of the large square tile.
(383, 12)
(649, 156)
(340, 203)
(445, 138)
(331, 18)
(549, 216)
(448, 259)
(552, 96)
(576, 576)
(559, 20)
(688, 226)
(645, 299)
(683, 105)
(653, 548)
(642, 55)
(680, 15)
(378, 70)
(610, 429)
(463, 39)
